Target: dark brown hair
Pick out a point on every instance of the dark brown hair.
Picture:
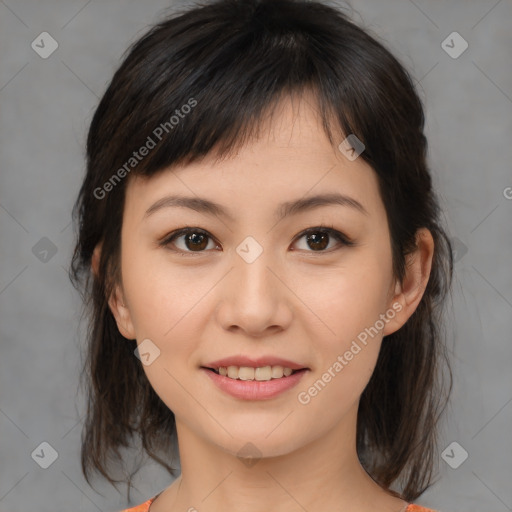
(234, 61)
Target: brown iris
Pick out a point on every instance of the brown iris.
(198, 240)
(318, 240)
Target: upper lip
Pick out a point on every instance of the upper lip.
(254, 362)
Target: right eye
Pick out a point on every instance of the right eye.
(194, 240)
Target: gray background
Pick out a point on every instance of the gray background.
(46, 106)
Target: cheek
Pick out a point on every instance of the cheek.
(164, 303)
(347, 349)
(161, 293)
(345, 301)
(345, 323)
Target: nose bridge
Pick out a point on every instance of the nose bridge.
(253, 277)
(254, 295)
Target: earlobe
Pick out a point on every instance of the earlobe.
(121, 314)
(409, 293)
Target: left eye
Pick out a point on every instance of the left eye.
(319, 237)
(196, 240)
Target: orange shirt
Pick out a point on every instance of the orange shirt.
(144, 507)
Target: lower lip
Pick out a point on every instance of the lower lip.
(255, 389)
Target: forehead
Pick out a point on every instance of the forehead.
(291, 157)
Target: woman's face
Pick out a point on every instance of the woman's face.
(256, 286)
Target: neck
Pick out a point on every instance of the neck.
(324, 472)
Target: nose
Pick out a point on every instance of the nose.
(255, 298)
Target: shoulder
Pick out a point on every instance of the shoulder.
(143, 507)
(418, 508)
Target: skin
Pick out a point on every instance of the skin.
(293, 301)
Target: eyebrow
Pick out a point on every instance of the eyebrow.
(286, 209)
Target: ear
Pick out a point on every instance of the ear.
(95, 260)
(116, 301)
(408, 294)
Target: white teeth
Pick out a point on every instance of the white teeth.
(232, 372)
(277, 371)
(264, 373)
(248, 373)
(245, 373)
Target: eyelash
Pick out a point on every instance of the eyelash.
(337, 235)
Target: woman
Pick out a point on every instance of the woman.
(260, 248)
